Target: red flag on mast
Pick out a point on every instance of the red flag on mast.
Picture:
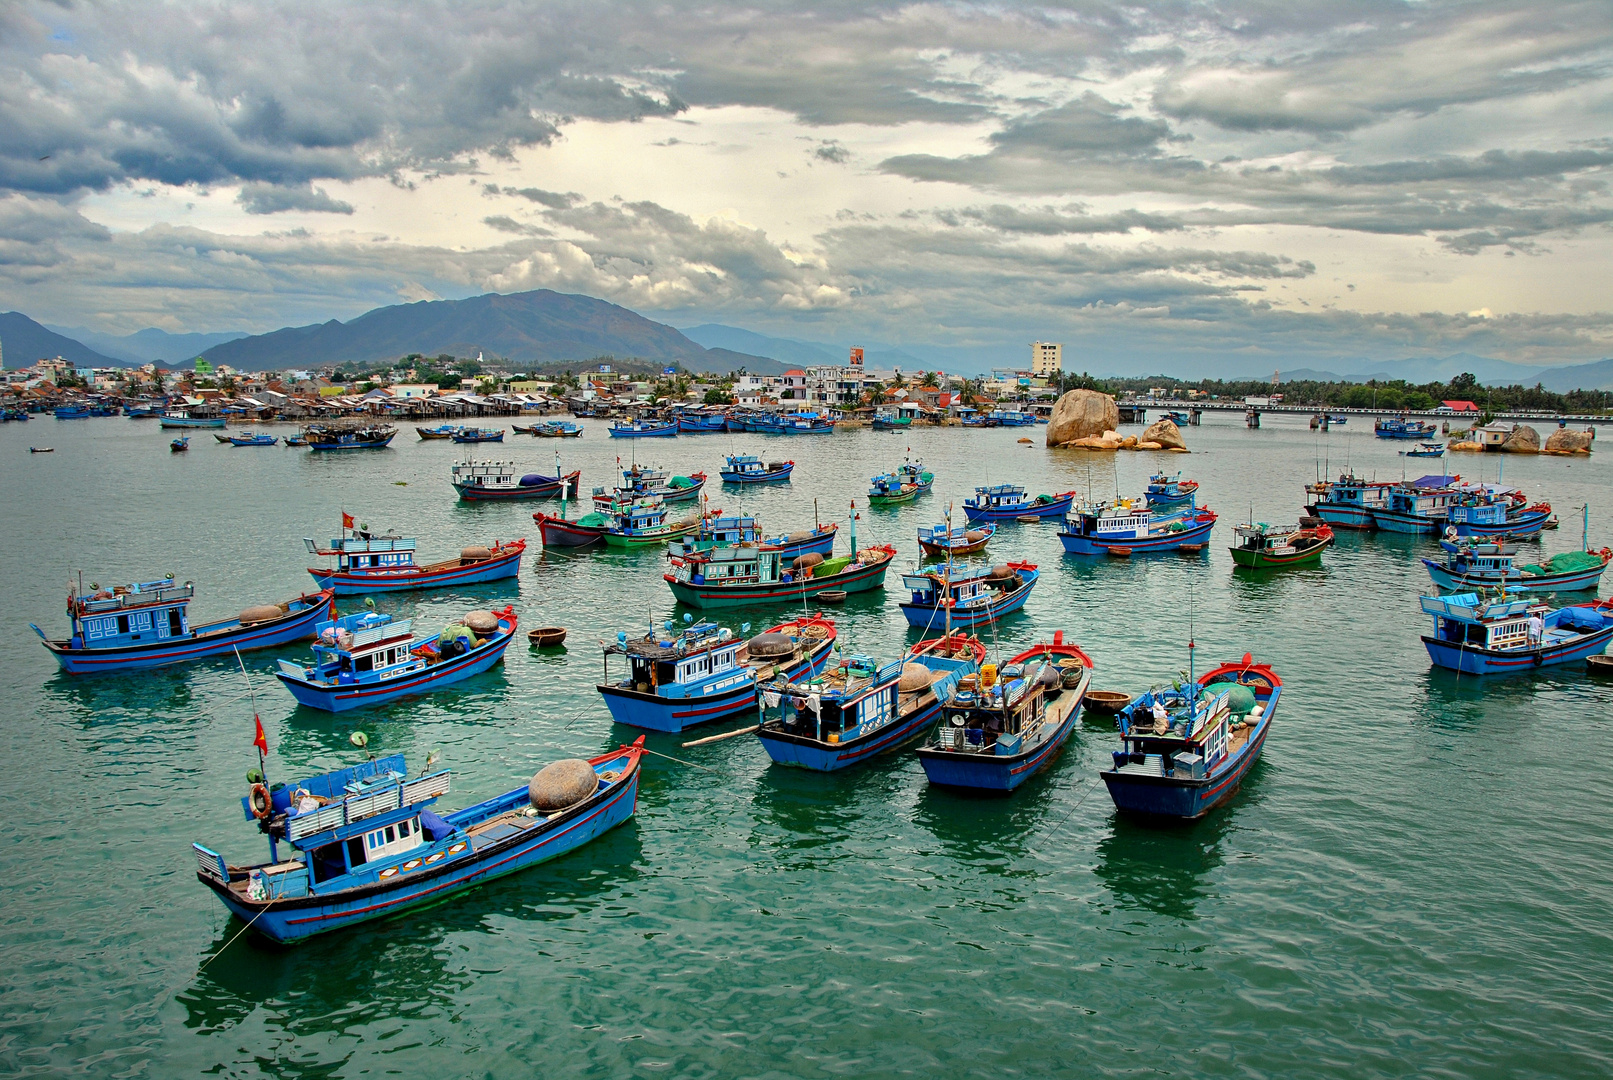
(261, 741)
(347, 520)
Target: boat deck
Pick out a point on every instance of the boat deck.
(1154, 764)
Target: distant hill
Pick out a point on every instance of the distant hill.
(149, 346)
(24, 341)
(787, 351)
(531, 328)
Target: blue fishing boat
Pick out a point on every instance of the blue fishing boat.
(678, 679)
(1338, 418)
(742, 576)
(198, 416)
(557, 429)
(888, 489)
(1349, 502)
(803, 423)
(1427, 449)
(698, 421)
(1187, 747)
(1511, 633)
(72, 412)
(1112, 530)
(1403, 428)
(858, 710)
(331, 437)
(296, 440)
(996, 733)
(639, 481)
(641, 522)
(1012, 418)
(1497, 514)
(948, 598)
(644, 429)
(1177, 416)
(733, 530)
(7, 415)
(1166, 490)
(750, 469)
(1480, 565)
(366, 563)
(147, 625)
(146, 411)
(886, 420)
(247, 438)
(478, 435)
(1007, 502)
(368, 657)
(483, 481)
(441, 431)
(370, 846)
(945, 540)
(177, 445)
(1419, 508)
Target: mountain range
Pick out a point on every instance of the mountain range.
(148, 346)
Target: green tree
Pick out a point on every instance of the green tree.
(717, 396)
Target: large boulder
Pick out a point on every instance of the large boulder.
(1079, 414)
(1523, 440)
(1166, 434)
(1563, 441)
(1466, 447)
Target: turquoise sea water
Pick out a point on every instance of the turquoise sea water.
(1414, 881)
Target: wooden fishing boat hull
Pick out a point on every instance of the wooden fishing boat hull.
(505, 563)
(1471, 660)
(1251, 559)
(655, 713)
(1058, 506)
(557, 433)
(549, 489)
(907, 495)
(1003, 774)
(1571, 581)
(362, 444)
(1399, 521)
(801, 752)
(777, 476)
(263, 441)
(467, 863)
(1141, 545)
(1341, 516)
(707, 597)
(191, 422)
(460, 438)
(927, 617)
(557, 532)
(659, 536)
(674, 495)
(428, 433)
(691, 426)
(1527, 523)
(341, 697)
(1174, 495)
(961, 546)
(225, 637)
(820, 543)
(670, 431)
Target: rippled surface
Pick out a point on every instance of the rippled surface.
(1415, 880)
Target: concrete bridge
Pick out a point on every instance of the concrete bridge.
(1139, 407)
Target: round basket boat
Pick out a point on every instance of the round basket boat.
(545, 636)
(1600, 664)
(1028, 519)
(1106, 701)
(833, 596)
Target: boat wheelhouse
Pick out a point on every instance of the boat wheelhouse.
(367, 564)
(732, 530)
(1007, 502)
(858, 710)
(640, 522)
(679, 679)
(1419, 508)
(370, 657)
(640, 480)
(493, 480)
(738, 576)
(366, 843)
(1349, 502)
(750, 469)
(1258, 546)
(147, 625)
(967, 598)
(997, 732)
(1186, 748)
(1098, 530)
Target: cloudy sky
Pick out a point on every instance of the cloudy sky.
(1279, 181)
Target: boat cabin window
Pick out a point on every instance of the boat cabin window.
(175, 625)
(123, 624)
(326, 862)
(355, 853)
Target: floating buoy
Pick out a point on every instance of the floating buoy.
(1119, 553)
(1191, 549)
(359, 739)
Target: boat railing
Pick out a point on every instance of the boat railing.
(370, 635)
(356, 808)
(163, 595)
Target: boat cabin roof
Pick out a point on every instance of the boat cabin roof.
(700, 637)
(349, 545)
(140, 594)
(1471, 608)
(338, 804)
(354, 634)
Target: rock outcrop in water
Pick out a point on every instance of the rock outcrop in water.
(1166, 434)
(1081, 414)
(1563, 441)
(1523, 440)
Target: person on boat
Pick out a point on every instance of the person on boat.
(1162, 717)
(1537, 629)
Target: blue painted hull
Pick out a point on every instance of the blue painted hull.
(668, 432)
(1528, 523)
(1344, 517)
(927, 617)
(981, 772)
(654, 713)
(296, 626)
(1056, 508)
(758, 478)
(342, 697)
(1398, 521)
(698, 427)
(1475, 661)
(364, 582)
(1168, 797)
(831, 757)
(291, 922)
(1572, 581)
(1090, 545)
(192, 422)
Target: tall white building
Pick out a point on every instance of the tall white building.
(1047, 359)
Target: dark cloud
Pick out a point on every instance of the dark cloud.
(1084, 127)
(504, 223)
(555, 200)
(833, 153)
(274, 199)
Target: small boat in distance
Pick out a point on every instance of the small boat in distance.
(750, 469)
(1485, 637)
(366, 563)
(740, 576)
(368, 657)
(179, 444)
(996, 733)
(477, 435)
(1427, 449)
(494, 480)
(41, 449)
(644, 429)
(557, 429)
(372, 847)
(337, 436)
(978, 596)
(1166, 490)
(442, 431)
(1007, 502)
(1186, 748)
(1403, 428)
(247, 438)
(1259, 546)
(147, 625)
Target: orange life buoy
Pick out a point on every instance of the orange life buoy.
(262, 805)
